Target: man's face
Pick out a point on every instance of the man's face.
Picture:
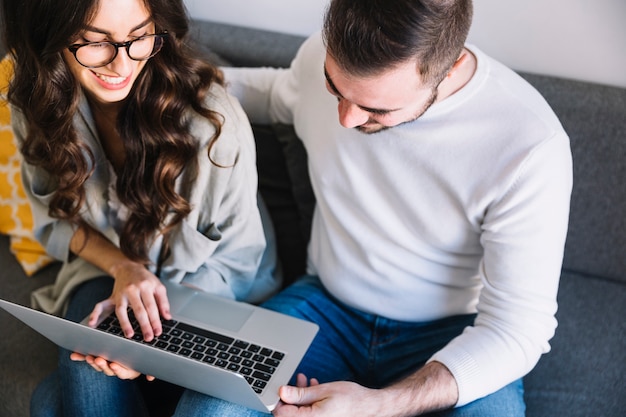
(375, 103)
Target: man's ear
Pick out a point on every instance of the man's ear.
(462, 59)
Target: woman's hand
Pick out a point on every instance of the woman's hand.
(108, 368)
(134, 287)
(143, 292)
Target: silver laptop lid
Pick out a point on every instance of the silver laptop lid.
(252, 324)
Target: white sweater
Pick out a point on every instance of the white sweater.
(464, 210)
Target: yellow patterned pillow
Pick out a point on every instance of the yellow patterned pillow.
(15, 213)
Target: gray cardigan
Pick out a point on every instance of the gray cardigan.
(217, 248)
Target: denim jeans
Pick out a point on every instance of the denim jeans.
(76, 389)
(370, 350)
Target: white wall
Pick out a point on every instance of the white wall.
(301, 17)
(579, 39)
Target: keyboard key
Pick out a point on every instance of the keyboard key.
(206, 333)
(169, 323)
(259, 384)
(272, 362)
(241, 344)
(261, 375)
(264, 368)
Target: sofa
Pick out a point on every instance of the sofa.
(585, 372)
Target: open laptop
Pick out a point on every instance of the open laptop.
(227, 349)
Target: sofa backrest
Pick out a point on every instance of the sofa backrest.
(594, 116)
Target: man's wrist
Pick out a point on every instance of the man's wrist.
(431, 388)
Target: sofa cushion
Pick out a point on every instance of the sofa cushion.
(278, 187)
(27, 357)
(584, 371)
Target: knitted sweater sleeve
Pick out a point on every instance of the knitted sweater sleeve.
(523, 238)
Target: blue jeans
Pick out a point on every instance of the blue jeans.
(76, 389)
(370, 350)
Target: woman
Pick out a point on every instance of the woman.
(139, 167)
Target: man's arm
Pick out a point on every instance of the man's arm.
(430, 388)
(254, 88)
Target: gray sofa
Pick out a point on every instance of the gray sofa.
(583, 375)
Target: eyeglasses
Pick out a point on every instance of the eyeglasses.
(99, 54)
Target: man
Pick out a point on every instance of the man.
(442, 182)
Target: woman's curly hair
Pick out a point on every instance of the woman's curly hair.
(152, 123)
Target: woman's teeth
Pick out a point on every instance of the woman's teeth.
(111, 80)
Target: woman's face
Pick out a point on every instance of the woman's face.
(115, 21)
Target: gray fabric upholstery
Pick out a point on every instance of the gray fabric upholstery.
(594, 116)
(583, 375)
(246, 47)
(26, 356)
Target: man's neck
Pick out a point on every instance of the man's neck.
(459, 76)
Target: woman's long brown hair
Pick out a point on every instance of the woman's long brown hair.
(153, 122)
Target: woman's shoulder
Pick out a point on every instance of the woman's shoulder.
(236, 133)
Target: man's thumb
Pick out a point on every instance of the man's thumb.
(295, 395)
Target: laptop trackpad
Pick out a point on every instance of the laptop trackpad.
(216, 312)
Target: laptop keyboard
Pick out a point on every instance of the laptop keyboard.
(256, 363)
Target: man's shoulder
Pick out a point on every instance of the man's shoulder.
(506, 89)
(312, 50)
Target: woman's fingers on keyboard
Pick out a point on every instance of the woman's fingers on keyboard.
(98, 310)
(121, 311)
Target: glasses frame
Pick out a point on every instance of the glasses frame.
(117, 45)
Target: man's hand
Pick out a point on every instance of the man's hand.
(428, 389)
(331, 399)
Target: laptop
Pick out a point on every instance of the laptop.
(227, 349)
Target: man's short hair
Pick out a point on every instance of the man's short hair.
(366, 37)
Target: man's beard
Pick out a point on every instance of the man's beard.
(376, 127)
